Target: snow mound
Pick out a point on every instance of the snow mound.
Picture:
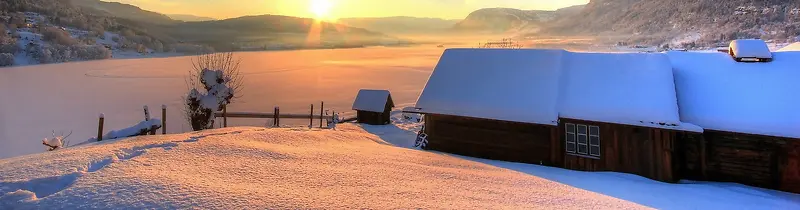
(255, 168)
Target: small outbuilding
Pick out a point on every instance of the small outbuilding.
(373, 107)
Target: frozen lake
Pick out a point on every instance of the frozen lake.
(35, 100)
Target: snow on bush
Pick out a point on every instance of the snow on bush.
(56, 142)
(213, 83)
(6, 59)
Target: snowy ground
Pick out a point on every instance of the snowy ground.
(246, 168)
(68, 97)
(352, 167)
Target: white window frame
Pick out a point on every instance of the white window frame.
(598, 141)
(576, 134)
(585, 135)
(574, 139)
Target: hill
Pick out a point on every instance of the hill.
(662, 21)
(400, 25)
(189, 18)
(120, 10)
(504, 20)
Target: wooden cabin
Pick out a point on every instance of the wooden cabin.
(750, 115)
(373, 107)
(493, 103)
(549, 107)
(619, 112)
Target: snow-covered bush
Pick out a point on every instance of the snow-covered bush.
(213, 82)
(6, 59)
(56, 142)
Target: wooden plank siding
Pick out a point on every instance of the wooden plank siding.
(648, 152)
(756, 160)
(490, 139)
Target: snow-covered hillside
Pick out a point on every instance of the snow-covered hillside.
(351, 167)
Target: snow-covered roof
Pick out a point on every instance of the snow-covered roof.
(518, 85)
(371, 100)
(718, 93)
(750, 48)
(792, 47)
(622, 88)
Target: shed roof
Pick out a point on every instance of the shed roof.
(622, 88)
(518, 85)
(717, 93)
(372, 100)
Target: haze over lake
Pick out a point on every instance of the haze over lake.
(70, 96)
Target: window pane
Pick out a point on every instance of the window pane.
(570, 147)
(570, 128)
(582, 149)
(595, 150)
(581, 139)
(594, 130)
(594, 140)
(581, 129)
(571, 138)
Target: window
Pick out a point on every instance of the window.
(582, 139)
(583, 145)
(570, 138)
(594, 141)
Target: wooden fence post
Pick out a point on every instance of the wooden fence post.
(224, 116)
(147, 118)
(100, 127)
(311, 117)
(276, 119)
(163, 119)
(321, 108)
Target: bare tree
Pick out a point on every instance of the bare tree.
(213, 82)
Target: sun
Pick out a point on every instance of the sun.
(321, 9)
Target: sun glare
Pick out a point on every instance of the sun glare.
(321, 8)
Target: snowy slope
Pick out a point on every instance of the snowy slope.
(255, 168)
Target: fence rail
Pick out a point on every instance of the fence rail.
(268, 115)
(276, 116)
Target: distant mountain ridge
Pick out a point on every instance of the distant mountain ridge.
(511, 20)
(400, 24)
(189, 18)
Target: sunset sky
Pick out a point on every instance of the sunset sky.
(447, 9)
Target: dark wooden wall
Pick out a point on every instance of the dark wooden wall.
(756, 160)
(373, 118)
(490, 139)
(644, 151)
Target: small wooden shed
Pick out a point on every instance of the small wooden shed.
(373, 107)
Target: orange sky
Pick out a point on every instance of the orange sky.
(447, 9)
